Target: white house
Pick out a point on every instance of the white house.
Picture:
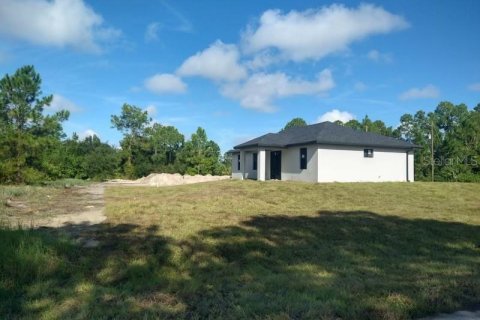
(324, 152)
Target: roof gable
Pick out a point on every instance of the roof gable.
(325, 133)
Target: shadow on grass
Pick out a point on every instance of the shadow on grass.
(334, 265)
(43, 273)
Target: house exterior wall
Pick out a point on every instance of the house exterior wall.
(249, 173)
(246, 166)
(267, 165)
(291, 164)
(333, 164)
(348, 164)
(411, 166)
(236, 174)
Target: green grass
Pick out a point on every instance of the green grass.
(32, 260)
(247, 250)
(68, 182)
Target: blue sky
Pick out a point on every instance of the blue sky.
(243, 68)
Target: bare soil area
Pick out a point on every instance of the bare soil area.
(78, 210)
(60, 208)
(79, 206)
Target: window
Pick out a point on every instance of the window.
(238, 162)
(303, 158)
(254, 161)
(368, 153)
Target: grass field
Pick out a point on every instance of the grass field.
(273, 250)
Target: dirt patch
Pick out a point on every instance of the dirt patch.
(167, 179)
(88, 211)
(76, 206)
(79, 210)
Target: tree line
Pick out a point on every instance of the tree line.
(34, 147)
(151, 147)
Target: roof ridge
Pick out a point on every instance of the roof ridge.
(326, 132)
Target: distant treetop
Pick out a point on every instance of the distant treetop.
(295, 122)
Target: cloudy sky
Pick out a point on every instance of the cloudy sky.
(243, 68)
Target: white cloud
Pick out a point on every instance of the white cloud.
(314, 34)
(378, 56)
(335, 115)
(60, 23)
(165, 83)
(260, 90)
(474, 86)
(261, 60)
(87, 133)
(151, 110)
(219, 62)
(427, 92)
(151, 33)
(61, 103)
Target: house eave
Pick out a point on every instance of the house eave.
(372, 145)
(258, 145)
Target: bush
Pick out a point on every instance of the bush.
(32, 176)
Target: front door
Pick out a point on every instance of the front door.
(276, 165)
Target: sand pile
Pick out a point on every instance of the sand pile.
(168, 179)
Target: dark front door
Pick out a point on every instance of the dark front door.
(276, 165)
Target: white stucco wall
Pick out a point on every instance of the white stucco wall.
(267, 165)
(246, 166)
(291, 164)
(236, 174)
(333, 164)
(411, 167)
(249, 173)
(348, 164)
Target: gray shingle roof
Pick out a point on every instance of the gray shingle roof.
(325, 133)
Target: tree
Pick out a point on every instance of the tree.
(100, 160)
(295, 122)
(418, 130)
(455, 132)
(27, 134)
(226, 162)
(165, 141)
(354, 124)
(477, 107)
(377, 126)
(132, 122)
(200, 155)
(453, 146)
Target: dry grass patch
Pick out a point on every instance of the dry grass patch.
(243, 249)
(188, 209)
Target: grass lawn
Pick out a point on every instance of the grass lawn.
(244, 249)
